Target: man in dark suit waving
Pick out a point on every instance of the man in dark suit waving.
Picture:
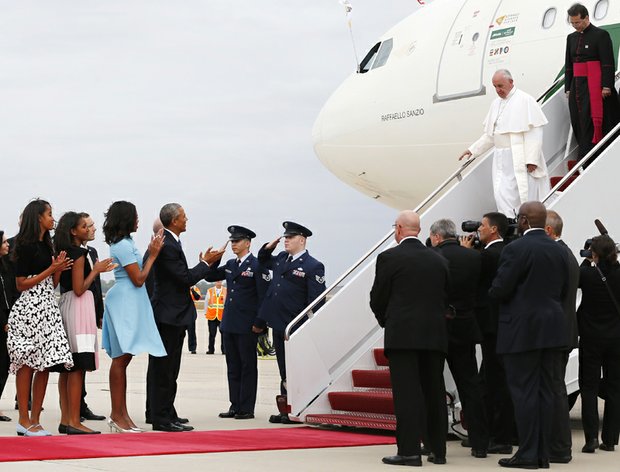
(174, 311)
(247, 283)
(408, 298)
(531, 283)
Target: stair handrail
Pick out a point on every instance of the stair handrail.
(295, 321)
(588, 156)
(557, 81)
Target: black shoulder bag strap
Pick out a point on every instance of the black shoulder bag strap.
(604, 279)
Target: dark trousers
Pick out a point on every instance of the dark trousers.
(419, 400)
(530, 381)
(561, 441)
(498, 404)
(163, 373)
(278, 344)
(464, 368)
(213, 327)
(4, 360)
(242, 371)
(594, 355)
(192, 343)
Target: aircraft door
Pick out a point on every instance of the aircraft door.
(462, 58)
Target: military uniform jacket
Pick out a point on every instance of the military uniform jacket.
(171, 300)
(293, 287)
(246, 286)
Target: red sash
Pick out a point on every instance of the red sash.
(592, 71)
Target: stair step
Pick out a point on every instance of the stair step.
(571, 163)
(371, 378)
(359, 421)
(380, 358)
(366, 402)
(555, 180)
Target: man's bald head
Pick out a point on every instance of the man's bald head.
(554, 224)
(407, 224)
(157, 225)
(532, 215)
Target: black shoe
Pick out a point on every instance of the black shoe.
(210, 352)
(590, 446)
(170, 427)
(185, 427)
(479, 453)
(6, 418)
(231, 414)
(602, 447)
(424, 451)
(278, 419)
(182, 420)
(286, 420)
(244, 416)
(192, 352)
(516, 463)
(560, 459)
(89, 415)
(465, 443)
(499, 448)
(148, 420)
(436, 459)
(415, 461)
(62, 428)
(72, 430)
(543, 464)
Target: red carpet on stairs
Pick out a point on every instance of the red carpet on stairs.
(196, 442)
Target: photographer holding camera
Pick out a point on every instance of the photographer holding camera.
(598, 317)
(498, 404)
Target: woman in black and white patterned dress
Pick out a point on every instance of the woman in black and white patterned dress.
(36, 337)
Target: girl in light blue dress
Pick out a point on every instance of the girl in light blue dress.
(128, 321)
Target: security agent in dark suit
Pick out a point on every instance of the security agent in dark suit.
(531, 284)
(174, 310)
(498, 404)
(247, 284)
(95, 288)
(463, 330)
(409, 299)
(560, 449)
(298, 279)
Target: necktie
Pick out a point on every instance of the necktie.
(238, 262)
(289, 259)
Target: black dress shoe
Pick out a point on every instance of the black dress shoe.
(182, 420)
(590, 446)
(244, 416)
(278, 419)
(560, 459)
(602, 447)
(286, 420)
(192, 352)
(465, 443)
(479, 453)
(210, 352)
(231, 414)
(185, 427)
(62, 428)
(436, 459)
(516, 463)
(415, 461)
(6, 418)
(89, 415)
(499, 449)
(543, 464)
(425, 451)
(170, 427)
(72, 430)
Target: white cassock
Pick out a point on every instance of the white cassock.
(514, 126)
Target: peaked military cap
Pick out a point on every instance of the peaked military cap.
(239, 232)
(294, 229)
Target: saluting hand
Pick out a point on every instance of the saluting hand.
(273, 243)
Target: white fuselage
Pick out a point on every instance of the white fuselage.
(395, 132)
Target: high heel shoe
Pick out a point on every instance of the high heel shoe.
(137, 429)
(114, 427)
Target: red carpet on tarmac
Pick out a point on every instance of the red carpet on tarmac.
(196, 442)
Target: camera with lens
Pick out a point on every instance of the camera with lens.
(586, 251)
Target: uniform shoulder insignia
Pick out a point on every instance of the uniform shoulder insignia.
(319, 279)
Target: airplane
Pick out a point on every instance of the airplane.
(394, 129)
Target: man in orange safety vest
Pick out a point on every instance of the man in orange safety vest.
(214, 300)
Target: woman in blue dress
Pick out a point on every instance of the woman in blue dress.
(128, 321)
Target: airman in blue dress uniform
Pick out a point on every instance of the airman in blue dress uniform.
(298, 279)
(247, 284)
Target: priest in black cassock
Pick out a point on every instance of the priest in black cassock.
(589, 80)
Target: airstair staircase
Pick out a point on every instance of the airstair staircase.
(337, 372)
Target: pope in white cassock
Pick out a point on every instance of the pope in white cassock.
(514, 126)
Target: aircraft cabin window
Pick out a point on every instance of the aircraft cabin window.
(600, 9)
(384, 53)
(549, 18)
(367, 62)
